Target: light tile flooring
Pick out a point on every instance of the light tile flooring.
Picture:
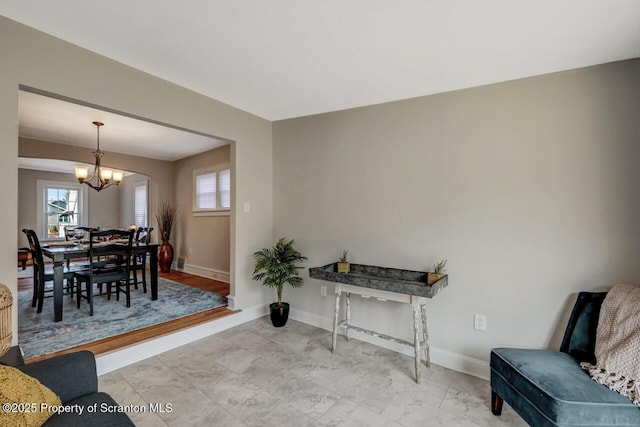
(258, 375)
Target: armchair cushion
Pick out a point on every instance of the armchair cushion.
(548, 388)
(580, 335)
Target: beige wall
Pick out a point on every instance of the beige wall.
(529, 188)
(203, 240)
(104, 207)
(37, 60)
(126, 191)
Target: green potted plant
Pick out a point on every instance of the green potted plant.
(343, 265)
(275, 267)
(438, 272)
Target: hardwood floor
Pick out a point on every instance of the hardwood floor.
(116, 342)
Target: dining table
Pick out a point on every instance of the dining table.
(59, 252)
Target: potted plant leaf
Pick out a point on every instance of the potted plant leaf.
(275, 267)
(343, 265)
(438, 272)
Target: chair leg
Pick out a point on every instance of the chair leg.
(134, 268)
(127, 291)
(40, 295)
(35, 291)
(496, 403)
(144, 274)
(78, 293)
(71, 283)
(90, 297)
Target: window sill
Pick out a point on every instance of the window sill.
(221, 212)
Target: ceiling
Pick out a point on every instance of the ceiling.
(55, 120)
(280, 59)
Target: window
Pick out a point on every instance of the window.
(140, 204)
(212, 191)
(206, 184)
(61, 205)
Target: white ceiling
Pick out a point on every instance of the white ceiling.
(286, 58)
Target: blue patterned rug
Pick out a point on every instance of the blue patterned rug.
(39, 334)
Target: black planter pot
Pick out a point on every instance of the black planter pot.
(279, 314)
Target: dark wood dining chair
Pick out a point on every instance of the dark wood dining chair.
(43, 274)
(109, 263)
(139, 261)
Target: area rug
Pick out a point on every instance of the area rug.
(38, 334)
(27, 272)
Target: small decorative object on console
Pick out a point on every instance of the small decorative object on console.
(438, 272)
(343, 265)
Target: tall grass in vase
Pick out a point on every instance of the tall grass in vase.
(165, 216)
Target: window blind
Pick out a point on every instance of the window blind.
(225, 188)
(140, 205)
(206, 191)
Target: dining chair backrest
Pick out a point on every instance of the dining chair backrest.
(143, 234)
(34, 246)
(110, 248)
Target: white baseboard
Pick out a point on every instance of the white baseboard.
(207, 272)
(126, 356)
(120, 358)
(448, 359)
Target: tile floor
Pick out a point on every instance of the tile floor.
(258, 375)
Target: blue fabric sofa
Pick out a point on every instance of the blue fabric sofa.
(548, 388)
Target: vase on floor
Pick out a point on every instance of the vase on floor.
(165, 256)
(165, 215)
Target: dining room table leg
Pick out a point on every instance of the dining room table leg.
(58, 279)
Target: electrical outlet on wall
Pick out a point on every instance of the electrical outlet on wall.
(323, 291)
(480, 322)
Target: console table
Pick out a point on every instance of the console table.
(384, 284)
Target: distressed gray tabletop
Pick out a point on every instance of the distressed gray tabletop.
(382, 278)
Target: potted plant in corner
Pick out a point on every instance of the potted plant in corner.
(276, 267)
(343, 265)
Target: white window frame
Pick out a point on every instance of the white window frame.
(41, 201)
(217, 211)
(137, 185)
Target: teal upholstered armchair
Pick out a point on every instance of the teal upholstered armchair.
(548, 388)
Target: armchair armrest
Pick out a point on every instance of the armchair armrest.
(69, 375)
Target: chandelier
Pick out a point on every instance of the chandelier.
(106, 177)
